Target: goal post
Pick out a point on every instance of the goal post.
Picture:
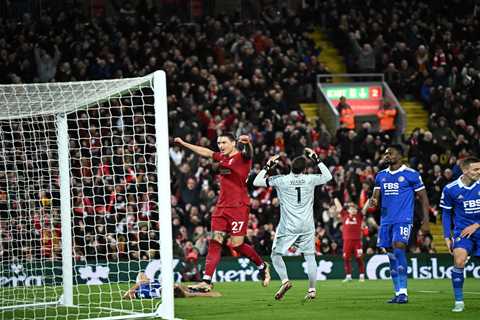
(85, 199)
(65, 209)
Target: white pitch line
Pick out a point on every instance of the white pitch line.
(118, 310)
(428, 291)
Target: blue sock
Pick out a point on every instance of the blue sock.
(393, 272)
(457, 282)
(402, 269)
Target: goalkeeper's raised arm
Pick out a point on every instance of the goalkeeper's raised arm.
(326, 174)
(261, 178)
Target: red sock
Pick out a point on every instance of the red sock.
(361, 265)
(248, 251)
(213, 257)
(347, 263)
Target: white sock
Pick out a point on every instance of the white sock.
(311, 270)
(280, 267)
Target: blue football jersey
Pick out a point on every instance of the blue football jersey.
(149, 290)
(465, 202)
(397, 191)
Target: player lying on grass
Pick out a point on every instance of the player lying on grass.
(297, 226)
(462, 196)
(144, 288)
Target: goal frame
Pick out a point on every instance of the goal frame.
(165, 309)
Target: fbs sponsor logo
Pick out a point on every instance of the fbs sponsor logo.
(92, 276)
(378, 267)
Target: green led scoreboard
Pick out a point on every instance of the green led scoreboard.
(364, 99)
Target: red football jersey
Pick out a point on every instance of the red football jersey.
(352, 227)
(234, 172)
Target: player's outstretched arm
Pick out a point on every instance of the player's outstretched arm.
(130, 294)
(141, 279)
(202, 151)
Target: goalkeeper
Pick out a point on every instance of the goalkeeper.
(144, 288)
(296, 227)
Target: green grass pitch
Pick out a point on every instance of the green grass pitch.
(429, 299)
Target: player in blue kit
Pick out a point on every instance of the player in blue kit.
(144, 288)
(395, 189)
(463, 197)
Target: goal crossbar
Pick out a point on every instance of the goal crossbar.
(52, 98)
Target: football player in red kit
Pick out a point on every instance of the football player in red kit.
(352, 219)
(232, 209)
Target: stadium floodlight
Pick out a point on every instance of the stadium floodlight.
(84, 198)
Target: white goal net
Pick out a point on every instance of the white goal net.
(84, 199)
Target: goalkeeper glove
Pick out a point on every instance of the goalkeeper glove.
(313, 156)
(270, 165)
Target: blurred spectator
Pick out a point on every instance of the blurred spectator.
(347, 116)
(387, 115)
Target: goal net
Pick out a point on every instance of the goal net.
(84, 199)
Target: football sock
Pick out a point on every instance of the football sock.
(361, 265)
(402, 268)
(393, 272)
(347, 264)
(248, 251)
(212, 260)
(457, 282)
(280, 267)
(311, 270)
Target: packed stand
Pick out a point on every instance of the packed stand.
(224, 75)
(429, 52)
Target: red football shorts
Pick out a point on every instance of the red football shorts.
(352, 247)
(233, 221)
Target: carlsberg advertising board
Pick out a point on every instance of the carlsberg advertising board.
(230, 269)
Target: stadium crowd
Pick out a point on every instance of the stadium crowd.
(429, 52)
(247, 77)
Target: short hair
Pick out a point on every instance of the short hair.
(397, 147)
(299, 164)
(468, 161)
(228, 135)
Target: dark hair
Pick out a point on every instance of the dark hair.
(299, 164)
(397, 147)
(228, 135)
(468, 161)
